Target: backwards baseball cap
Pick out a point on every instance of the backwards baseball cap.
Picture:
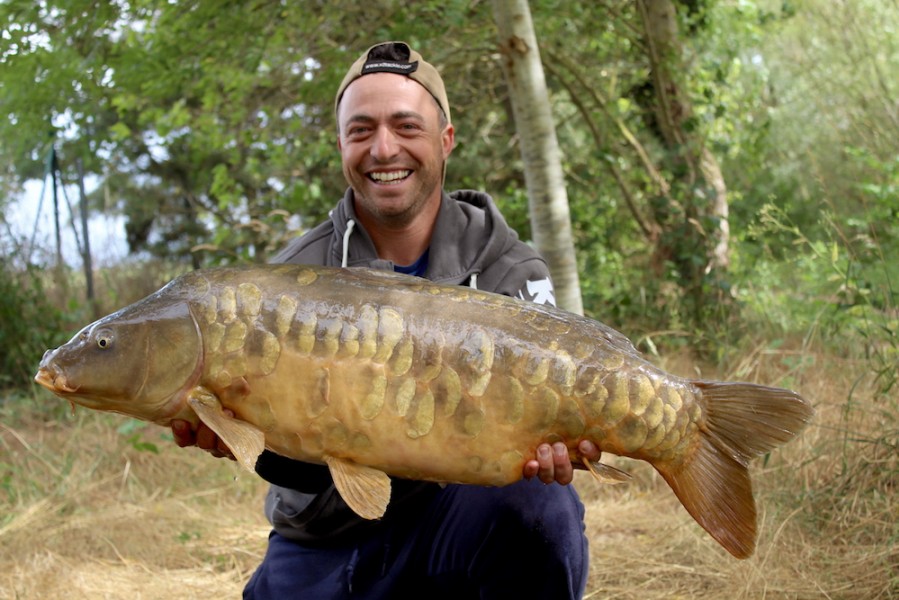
(397, 57)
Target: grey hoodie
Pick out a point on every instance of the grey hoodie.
(471, 245)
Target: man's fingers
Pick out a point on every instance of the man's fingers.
(589, 450)
(562, 469)
(553, 463)
(546, 470)
(223, 451)
(206, 438)
(182, 433)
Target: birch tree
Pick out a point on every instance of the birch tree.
(547, 198)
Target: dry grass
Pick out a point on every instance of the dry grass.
(85, 514)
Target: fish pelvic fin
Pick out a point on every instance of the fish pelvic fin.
(365, 490)
(604, 473)
(742, 421)
(246, 441)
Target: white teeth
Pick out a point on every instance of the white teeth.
(389, 176)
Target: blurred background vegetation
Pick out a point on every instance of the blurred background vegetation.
(208, 128)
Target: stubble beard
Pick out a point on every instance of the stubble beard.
(392, 215)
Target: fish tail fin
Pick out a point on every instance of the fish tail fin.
(743, 421)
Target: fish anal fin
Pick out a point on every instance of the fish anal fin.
(364, 489)
(246, 441)
(604, 473)
(716, 490)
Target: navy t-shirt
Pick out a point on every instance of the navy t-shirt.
(417, 268)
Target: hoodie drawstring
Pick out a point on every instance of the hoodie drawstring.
(350, 224)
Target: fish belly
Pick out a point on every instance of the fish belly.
(452, 385)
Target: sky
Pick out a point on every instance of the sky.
(107, 233)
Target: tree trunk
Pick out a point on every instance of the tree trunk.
(548, 200)
(705, 207)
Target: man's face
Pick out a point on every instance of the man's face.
(392, 147)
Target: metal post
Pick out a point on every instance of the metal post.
(86, 257)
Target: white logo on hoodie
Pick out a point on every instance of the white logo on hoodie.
(539, 292)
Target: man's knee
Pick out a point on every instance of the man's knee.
(528, 531)
(536, 536)
(550, 516)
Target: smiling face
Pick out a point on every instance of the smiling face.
(393, 148)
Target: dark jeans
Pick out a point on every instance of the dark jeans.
(525, 540)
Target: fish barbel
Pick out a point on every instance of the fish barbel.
(374, 373)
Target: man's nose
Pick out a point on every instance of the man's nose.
(384, 145)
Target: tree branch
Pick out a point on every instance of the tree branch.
(631, 139)
(650, 230)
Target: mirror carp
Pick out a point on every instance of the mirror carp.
(375, 373)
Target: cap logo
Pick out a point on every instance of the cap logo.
(398, 58)
(389, 66)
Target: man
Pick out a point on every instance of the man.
(525, 540)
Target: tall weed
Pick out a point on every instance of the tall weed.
(839, 289)
(835, 294)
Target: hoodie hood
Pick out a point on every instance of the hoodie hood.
(471, 245)
(470, 234)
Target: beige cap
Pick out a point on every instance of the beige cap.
(397, 57)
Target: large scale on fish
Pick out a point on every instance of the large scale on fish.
(374, 373)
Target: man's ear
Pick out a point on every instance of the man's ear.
(448, 139)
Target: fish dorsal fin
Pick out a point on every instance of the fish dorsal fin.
(364, 489)
(245, 440)
(604, 473)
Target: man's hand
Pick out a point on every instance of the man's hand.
(553, 463)
(203, 437)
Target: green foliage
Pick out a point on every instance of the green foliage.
(133, 431)
(29, 323)
(202, 118)
(212, 128)
(838, 288)
(869, 288)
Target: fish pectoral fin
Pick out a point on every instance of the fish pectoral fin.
(245, 440)
(364, 489)
(605, 473)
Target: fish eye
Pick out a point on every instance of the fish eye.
(104, 340)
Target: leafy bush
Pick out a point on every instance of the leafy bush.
(29, 323)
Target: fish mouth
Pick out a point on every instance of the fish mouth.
(54, 381)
